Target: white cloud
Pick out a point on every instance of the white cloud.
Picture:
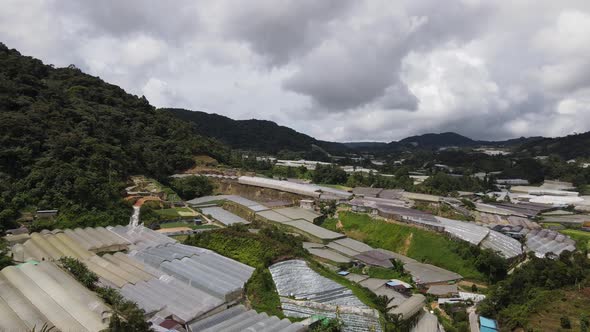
(342, 70)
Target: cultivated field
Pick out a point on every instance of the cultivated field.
(422, 245)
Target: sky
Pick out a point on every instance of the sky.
(339, 70)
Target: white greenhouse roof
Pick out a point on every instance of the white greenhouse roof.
(223, 216)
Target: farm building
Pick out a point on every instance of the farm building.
(427, 274)
(224, 217)
(170, 281)
(410, 308)
(203, 269)
(375, 258)
(298, 213)
(443, 290)
(366, 191)
(309, 190)
(283, 218)
(238, 318)
(34, 294)
(249, 204)
(305, 293)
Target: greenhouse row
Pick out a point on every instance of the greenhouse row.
(36, 294)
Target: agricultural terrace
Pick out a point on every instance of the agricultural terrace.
(419, 244)
(582, 238)
(262, 249)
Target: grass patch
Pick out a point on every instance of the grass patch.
(258, 250)
(336, 186)
(174, 212)
(262, 294)
(424, 246)
(180, 238)
(549, 224)
(582, 238)
(552, 305)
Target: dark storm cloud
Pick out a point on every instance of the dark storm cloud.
(118, 18)
(282, 30)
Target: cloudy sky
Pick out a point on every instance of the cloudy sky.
(343, 70)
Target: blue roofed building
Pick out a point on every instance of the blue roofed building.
(487, 324)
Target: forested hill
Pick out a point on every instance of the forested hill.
(69, 140)
(258, 135)
(567, 147)
(453, 139)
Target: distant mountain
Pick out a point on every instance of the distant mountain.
(257, 135)
(568, 147)
(269, 137)
(437, 140)
(434, 141)
(355, 145)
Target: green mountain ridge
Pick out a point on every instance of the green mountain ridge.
(258, 135)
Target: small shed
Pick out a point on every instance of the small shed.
(46, 213)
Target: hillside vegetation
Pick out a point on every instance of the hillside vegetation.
(422, 245)
(567, 147)
(525, 296)
(257, 250)
(70, 140)
(257, 135)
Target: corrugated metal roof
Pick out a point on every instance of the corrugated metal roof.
(298, 213)
(225, 217)
(239, 319)
(44, 293)
(273, 216)
(410, 307)
(314, 230)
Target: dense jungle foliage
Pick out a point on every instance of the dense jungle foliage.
(70, 140)
(513, 300)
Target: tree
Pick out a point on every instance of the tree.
(330, 174)
(565, 322)
(584, 323)
(192, 186)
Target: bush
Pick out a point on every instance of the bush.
(192, 186)
(127, 315)
(565, 322)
